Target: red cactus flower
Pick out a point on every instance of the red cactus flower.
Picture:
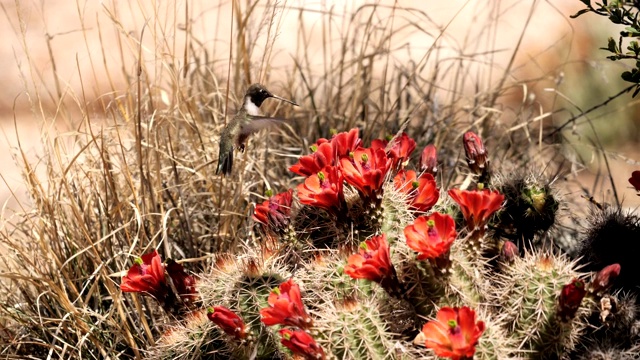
(366, 169)
(422, 192)
(429, 160)
(431, 236)
(323, 155)
(345, 142)
(184, 283)
(398, 151)
(302, 344)
(401, 149)
(228, 321)
(605, 278)
(454, 333)
(323, 190)
(326, 153)
(475, 151)
(285, 307)
(373, 263)
(146, 276)
(634, 180)
(477, 206)
(275, 212)
(570, 299)
(406, 182)
(379, 144)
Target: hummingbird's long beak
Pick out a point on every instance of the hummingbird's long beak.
(285, 100)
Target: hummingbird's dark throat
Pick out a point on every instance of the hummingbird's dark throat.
(258, 98)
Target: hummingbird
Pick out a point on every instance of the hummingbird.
(246, 122)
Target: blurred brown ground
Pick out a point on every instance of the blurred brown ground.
(553, 44)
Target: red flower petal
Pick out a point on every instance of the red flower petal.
(422, 192)
(373, 262)
(345, 142)
(228, 321)
(147, 277)
(477, 206)
(275, 212)
(323, 190)
(285, 307)
(366, 169)
(431, 236)
(301, 343)
(401, 149)
(322, 157)
(454, 333)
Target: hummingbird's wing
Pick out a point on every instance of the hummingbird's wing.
(258, 123)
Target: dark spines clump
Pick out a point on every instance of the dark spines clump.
(613, 236)
(530, 209)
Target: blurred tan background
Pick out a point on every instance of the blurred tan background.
(64, 46)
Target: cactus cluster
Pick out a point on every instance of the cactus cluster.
(370, 258)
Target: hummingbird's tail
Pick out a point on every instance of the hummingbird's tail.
(225, 162)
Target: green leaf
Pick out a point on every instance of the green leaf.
(632, 76)
(612, 46)
(616, 16)
(633, 48)
(633, 32)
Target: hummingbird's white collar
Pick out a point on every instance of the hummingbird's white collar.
(251, 108)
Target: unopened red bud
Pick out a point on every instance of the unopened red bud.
(605, 278)
(476, 152)
(429, 160)
(570, 299)
(635, 180)
(228, 321)
(509, 252)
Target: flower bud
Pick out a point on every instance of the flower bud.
(301, 343)
(509, 252)
(429, 160)
(605, 278)
(228, 321)
(476, 152)
(570, 299)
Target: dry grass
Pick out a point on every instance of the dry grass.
(136, 168)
